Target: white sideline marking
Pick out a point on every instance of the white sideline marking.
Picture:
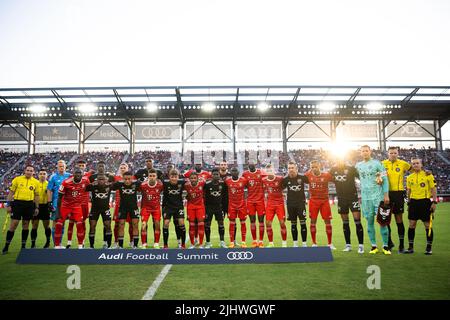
(155, 285)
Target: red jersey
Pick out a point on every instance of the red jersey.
(274, 189)
(73, 193)
(318, 185)
(254, 186)
(195, 193)
(205, 175)
(236, 195)
(85, 198)
(151, 195)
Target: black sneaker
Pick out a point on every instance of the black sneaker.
(33, 245)
(428, 252)
(47, 245)
(409, 250)
(68, 246)
(401, 250)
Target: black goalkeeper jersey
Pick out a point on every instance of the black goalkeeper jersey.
(344, 180)
(295, 189)
(173, 194)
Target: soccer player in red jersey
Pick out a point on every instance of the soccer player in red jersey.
(273, 185)
(195, 207)
(319, 200)
(122, 169)
(205, 175)
(255, 202)
(151, 206)
(81, 164)
(236, 204)
(70, 198)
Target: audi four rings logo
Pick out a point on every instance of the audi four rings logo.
(236, 255)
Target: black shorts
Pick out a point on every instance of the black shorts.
(348, 205)
(132, 213)
(397, 201)
(44, 213)
(419, 210)
(298, 211)
(176, 213)
(217, 213)
(96, 213)
(22, 210)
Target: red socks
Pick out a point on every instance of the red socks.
(270, 233)
(253, 230)
(313, 233)
(328, 228)
(261, 231)
(232, 228)
(201, 232)
(283, 233)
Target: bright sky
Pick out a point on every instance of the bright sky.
(233, 42)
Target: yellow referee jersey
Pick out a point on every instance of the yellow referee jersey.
(420, 184)
(42, 190)
(396, 171)
(24, 189)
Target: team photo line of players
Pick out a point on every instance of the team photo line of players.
(219, 194)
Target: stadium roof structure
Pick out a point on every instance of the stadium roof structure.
(186, 103)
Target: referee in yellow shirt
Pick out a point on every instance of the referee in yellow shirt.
(396, 169)
(420, 187)
(22, 203)
(44, 210)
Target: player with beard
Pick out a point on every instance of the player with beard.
(296, 202)
(255, 202)
(344, 179)
(214, 191)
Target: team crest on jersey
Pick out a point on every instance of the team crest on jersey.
(422, 184)
(397, 169)
(251, 182)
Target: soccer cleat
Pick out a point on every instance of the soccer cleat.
(180, 245)
(428, 252)
(271, 245)
(254, 244)
(231, 245)
(196, 242)
(183, 246)
(374, 250)
(59, 247)
(81, 246)
(409, 250)
(4, 251)
(295, 244)
(105, 246)
(165, 246)
(131, 245)
(243, 245)
(386, 251)
(284, 244)
(314, 245)
(68, 246)
(33, 245)
(201, 246)
(360, 249)
(331, 246)
(47, 245)
(304, 245)
(192, 246)
(261, 244)
(115, 245)
(143, 246)
(222, 244)
(347, 248)
(156, 246)
(208, 245)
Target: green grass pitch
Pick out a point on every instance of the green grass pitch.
(402, 276)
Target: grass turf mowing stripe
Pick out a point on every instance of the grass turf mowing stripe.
(155, 285)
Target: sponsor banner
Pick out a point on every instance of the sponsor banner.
(9, 134)
(56, 133)
(157, 132)
(208, 132)
(106, 132)
(351, 131)
(308, 131)
(175, 256)
(410, 130)
(258, 131)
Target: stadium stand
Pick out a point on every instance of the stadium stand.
(432, 161)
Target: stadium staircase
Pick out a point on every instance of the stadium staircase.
(444, 158)
(12, 168)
